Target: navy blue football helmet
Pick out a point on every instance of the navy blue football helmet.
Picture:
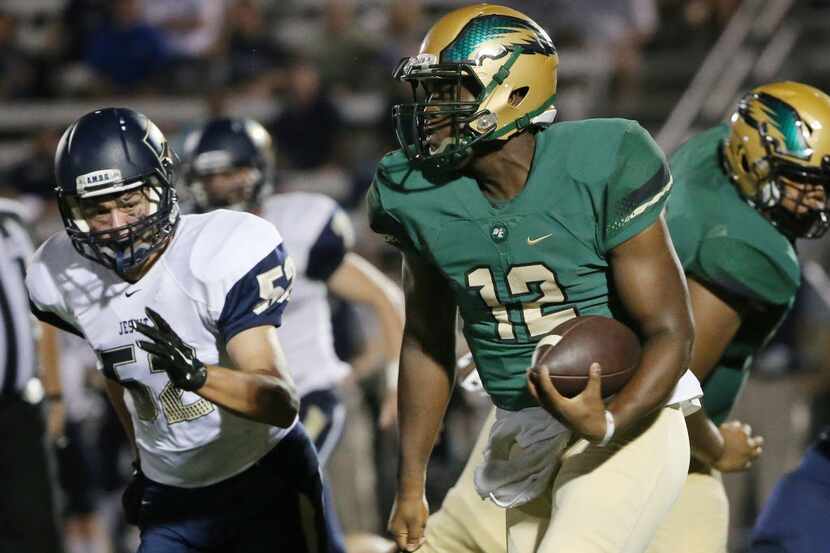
(223, 145)
(105, 153)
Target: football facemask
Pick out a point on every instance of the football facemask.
(124, 248)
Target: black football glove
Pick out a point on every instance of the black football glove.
(133, 495)
(170, 354)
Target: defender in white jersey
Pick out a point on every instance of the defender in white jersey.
(182, 314)
(230, 164)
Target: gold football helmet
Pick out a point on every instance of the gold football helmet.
(505, 62)
(780, 137)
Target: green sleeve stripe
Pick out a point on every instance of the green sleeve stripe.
(640, 209)
(652, 186)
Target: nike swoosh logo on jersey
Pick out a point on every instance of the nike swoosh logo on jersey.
(131, 292)
(532, 241)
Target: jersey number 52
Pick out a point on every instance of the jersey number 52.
(146, 405)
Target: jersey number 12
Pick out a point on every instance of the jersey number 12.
(539, 313)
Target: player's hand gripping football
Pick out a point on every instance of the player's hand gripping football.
(583, 413)
(407, 522)
(171, 354)
(740, 447)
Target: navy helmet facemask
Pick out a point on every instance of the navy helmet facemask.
(103, 156)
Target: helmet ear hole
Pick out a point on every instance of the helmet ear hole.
(518, 95)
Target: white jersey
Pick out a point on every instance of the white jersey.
(222, 273)
(317, 234)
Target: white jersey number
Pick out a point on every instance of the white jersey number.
(539, 313)
(268, 292)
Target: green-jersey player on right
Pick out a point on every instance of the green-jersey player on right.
(743, 193)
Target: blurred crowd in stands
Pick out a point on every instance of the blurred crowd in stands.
(318, 75)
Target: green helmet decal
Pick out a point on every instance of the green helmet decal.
(477, 40)
(783, 123)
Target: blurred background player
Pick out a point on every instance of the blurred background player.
(521, 225)
(794, 520)
(87, 465)
(744, 193)
(230, 165)
(27, 351)
(222, 461)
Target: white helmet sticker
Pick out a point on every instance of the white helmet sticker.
(91, 182)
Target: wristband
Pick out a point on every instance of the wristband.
(610, 427)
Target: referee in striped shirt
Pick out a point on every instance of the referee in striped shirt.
(28, 518)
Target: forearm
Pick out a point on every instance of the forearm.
(259, 396)
(424, 387)
(48, 351)
(705, 438)
(391, 321)
(664, 358)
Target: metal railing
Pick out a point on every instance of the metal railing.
(752, 47)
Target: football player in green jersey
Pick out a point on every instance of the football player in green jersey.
(522, 224)
(743, 193)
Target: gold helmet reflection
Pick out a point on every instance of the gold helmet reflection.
(780, 136)
(502, 56)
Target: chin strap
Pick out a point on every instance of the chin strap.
(542, 116)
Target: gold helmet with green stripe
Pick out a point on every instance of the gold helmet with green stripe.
(500, 69)
(778, 155)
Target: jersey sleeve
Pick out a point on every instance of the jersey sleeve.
(383, 221)
(747, 271)
(637, 190)
(328, 250)
(254, 277)
(45, 299)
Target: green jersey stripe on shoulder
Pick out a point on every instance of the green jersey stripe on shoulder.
(657, 185)
(640, 209)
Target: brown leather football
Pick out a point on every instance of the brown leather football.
(571, 347)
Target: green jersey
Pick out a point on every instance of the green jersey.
(723, 241)
(520, 268)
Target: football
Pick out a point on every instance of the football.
(571, 347)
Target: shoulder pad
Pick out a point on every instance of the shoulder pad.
(52, 258)
(592, 145)
(228, 243)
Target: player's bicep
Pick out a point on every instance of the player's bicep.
(358, 280)
(430, 311)
(717, 319)
(257, 349)
(650, 282)
(259, 297)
